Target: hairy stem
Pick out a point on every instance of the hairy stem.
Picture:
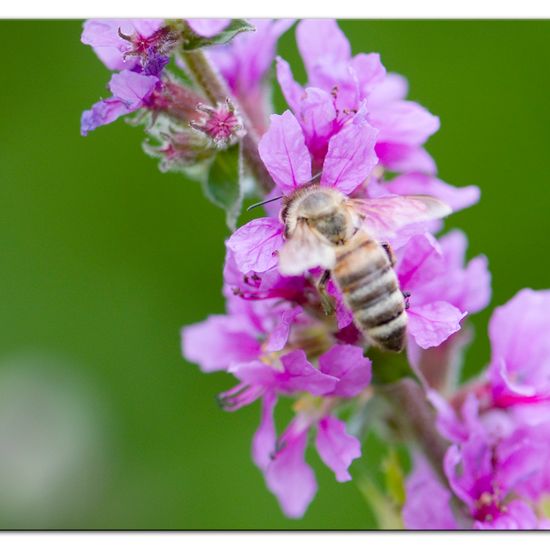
(417, 419)
(216, 90)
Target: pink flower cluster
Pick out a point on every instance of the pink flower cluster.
(499, 427)
(351, 124)
(351, 131)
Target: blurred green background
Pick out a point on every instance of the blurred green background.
(102, 423)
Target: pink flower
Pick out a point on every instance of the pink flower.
(403, 125)
(442, 289)
(287, 474)
(421, 267)
(282, 460)
(496, 479)
(245, 62)
(348, 162)
(519, 372)
(106, 38)
(131, 91)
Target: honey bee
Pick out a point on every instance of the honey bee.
(324, 227)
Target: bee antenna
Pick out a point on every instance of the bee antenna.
(264, 202)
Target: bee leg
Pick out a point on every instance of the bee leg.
(326, 300)
(406, 295)
(389, 251)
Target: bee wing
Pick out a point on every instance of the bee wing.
(305, 250)
(384, 216)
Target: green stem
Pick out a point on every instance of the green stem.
(215, 89)
(417, 419)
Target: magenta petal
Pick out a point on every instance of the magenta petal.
(293, 92)
(102, 35)
(348, 364)
(300, 375)
(289, 477)
(208, 27)
(102, 113)
(321, 40)
(421, 262)
(132, 88)
(431, 324)
(263, 443)
(404, 122)
(218, 342)
(419, 184)
(350, 157)
(318, 118)
(336, 447)
(284, 152)
(256, 373)
(468, 288)
(344, 316)
(520, 361)
(255, 245)
(448, 423)
(109, 46)
(400, 157)
(518, 516)
(394, 88)
(279, 335)
(370, 71)
(427, 505)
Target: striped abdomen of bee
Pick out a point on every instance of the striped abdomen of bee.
(364, 273)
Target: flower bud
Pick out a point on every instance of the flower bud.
(222, 124)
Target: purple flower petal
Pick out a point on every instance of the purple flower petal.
(293, 92)
(102, 113)
(427, 505)
(263, 443)
(336, 447)
(255, 245)
(432, 324)
(289, 477)
(518, 516)
(218, 342)
(468, 288)
(321, 40)
(421, 261)
(297, 375)
(394, 88)
(520, 363)
(300, 375)
(400, 157)
(245, 60)
(284, 152)
(419, 184)
(279, 335)
(132, 88)
(109, 46)
(348, 364)
(350, 157)
(404, 122)
(129, 89)
(208, 27)
(370, 71)
(317, 115)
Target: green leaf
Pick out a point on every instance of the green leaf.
(193, 41)
(223, 183)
